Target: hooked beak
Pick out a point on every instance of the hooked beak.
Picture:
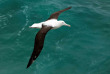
(68, 25)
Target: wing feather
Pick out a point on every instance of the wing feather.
(56, 14)
(39, 42)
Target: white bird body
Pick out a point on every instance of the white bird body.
(52, 22)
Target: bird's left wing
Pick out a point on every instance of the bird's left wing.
(38, 45)
(56, 14)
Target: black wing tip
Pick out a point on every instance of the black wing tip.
(69, 7)
(27, 66)
(29, 63)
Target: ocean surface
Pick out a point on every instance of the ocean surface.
(84, 48)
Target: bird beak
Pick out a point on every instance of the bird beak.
(68, 25)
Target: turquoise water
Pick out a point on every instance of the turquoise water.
(82, 49)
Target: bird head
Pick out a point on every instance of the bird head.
(63, 23)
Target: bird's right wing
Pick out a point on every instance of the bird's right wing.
(38, 45)
(56, 14)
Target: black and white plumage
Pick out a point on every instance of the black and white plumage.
(50, 23)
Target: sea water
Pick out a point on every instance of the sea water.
(84, 48)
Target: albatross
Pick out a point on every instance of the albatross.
(50, 23)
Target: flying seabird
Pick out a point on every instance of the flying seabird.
(50, 23)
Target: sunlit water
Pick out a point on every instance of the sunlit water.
(82, 49)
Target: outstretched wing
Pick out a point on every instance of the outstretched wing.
(56, 14)
(38, 45)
